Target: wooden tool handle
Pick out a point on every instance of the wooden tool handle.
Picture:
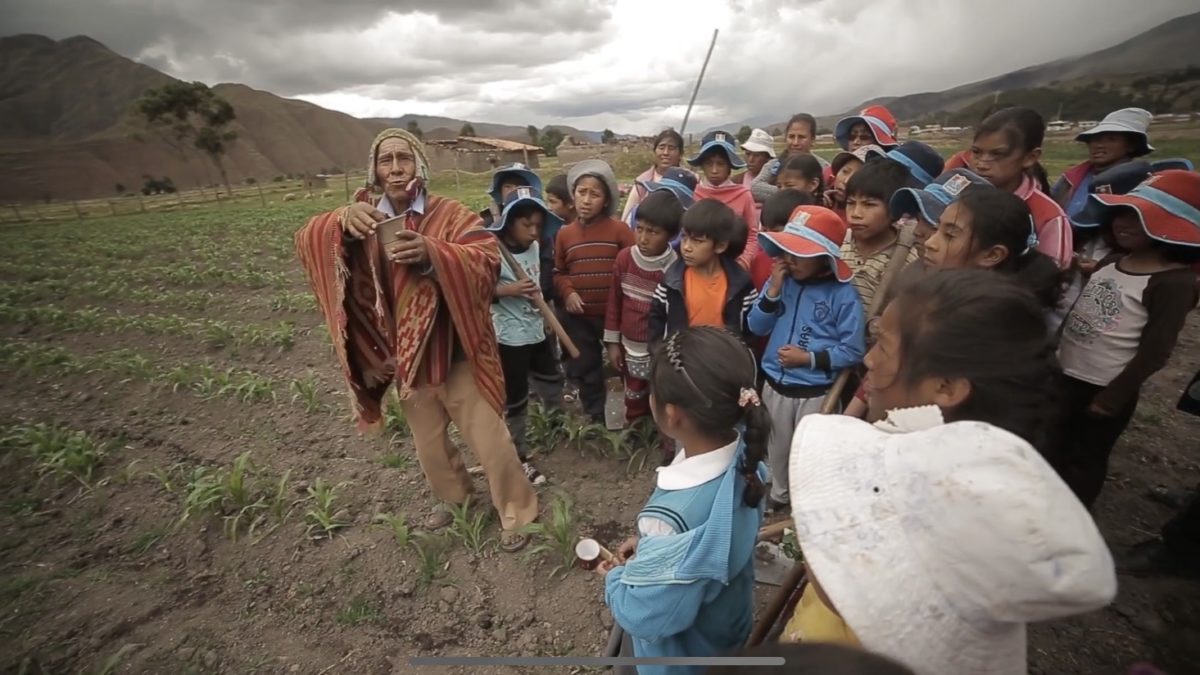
(540, 303)
(779, 604)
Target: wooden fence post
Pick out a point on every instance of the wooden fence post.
(78, 213)
(142, 202)
(261, 197)
(457, 182)
(346, 176)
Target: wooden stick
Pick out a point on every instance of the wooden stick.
(540, 303)
(773, 531)
(778, 604)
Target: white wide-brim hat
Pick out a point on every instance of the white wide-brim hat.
(936, 547)
(760, 141)
(1134, 121)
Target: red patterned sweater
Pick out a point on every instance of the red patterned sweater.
(634, 279)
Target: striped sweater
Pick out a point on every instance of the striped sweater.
(634, 279)
(583, 261)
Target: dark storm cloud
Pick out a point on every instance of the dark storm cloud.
(616, 63)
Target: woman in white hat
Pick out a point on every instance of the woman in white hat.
(760, 149)
(935, 535)
(1121, 137)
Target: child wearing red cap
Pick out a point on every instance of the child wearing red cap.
(1127, 319)
(873, 125)
(816, 324)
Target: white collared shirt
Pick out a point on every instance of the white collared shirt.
(685, 473)
(417, 206)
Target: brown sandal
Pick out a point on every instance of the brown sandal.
(512, 541)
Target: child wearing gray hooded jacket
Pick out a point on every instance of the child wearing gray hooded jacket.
(584, 254)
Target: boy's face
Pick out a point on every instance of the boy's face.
(652, 240)
(794, 180)
(591, 197)
(698, 250)
(508, 185)
(860, 135)
(1105, 150)
(523, 231)
(867, 217)
(559, 208)
(802, 269)
(755, 161)
(716, 168)
(844, 173)
(799, 138)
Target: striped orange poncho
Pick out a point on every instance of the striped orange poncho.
(411, 339)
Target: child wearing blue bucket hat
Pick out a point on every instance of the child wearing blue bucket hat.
(504, 180)
(520, 330)
(717, 159)
(926, 205)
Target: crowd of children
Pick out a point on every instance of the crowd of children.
(997, 333)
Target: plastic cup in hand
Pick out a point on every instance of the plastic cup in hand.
(590, 553)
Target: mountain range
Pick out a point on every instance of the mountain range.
(1168, 48)
(66, 131)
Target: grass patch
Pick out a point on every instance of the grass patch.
(148, 540)
(398, 460)
(360, 611)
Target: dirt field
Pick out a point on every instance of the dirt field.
(142, 356)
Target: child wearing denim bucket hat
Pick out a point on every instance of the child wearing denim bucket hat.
(815, 323)
(717, 159)
(1122, 136)
(926, 204)
(520, 331)
(504, 180)
(1125, 324)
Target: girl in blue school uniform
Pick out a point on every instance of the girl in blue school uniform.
(685, 585)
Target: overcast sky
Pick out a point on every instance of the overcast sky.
(624, 64)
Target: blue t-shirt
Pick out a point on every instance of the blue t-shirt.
(516, 320)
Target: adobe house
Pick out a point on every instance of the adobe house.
(479, 155)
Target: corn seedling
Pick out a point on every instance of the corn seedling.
(547, 427)
(304, 391)
(147, 540)
(580, 435)
(278, 503)
(323, 519)
(248, 387)
(359, 611)
(431, 556)
(203, 494)
(397, 460)
(397, 525)
(470, 528)
(393, 419)
(556, 536)
(218, 334)
(59, 452)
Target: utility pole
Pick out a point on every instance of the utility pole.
(700, 79)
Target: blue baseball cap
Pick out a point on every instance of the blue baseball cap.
(518, 170)
(724, 141)
(931, 201)
(527, 195)
(1119, 180)
(921, 160)
(1171, 163)
(677, 180)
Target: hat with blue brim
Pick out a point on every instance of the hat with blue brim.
(1181, 163)
(676, 180)
(1167, 204)
(921, 160)
(723, 141)
(1118, 180)
(523, 173)
(931, 201)
(527, 195)
(811, 232)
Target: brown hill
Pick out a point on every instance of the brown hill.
(65, 133)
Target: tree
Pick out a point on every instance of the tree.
(607, 136)
(190, 114)
(467, 130)
(744, 133)
(120, 188)
(550, 141)
(415, 129)
(533, 133)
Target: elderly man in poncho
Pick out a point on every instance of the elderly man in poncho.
(416, 312)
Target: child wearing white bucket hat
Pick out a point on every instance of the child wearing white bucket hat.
(936, 547)
(760, 149)
(1120, 137)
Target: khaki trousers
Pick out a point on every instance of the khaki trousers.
(429, 412)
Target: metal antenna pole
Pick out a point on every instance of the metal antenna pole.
(700, 79)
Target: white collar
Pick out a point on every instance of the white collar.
(688, 472)
(907, 420)
(417, 206)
